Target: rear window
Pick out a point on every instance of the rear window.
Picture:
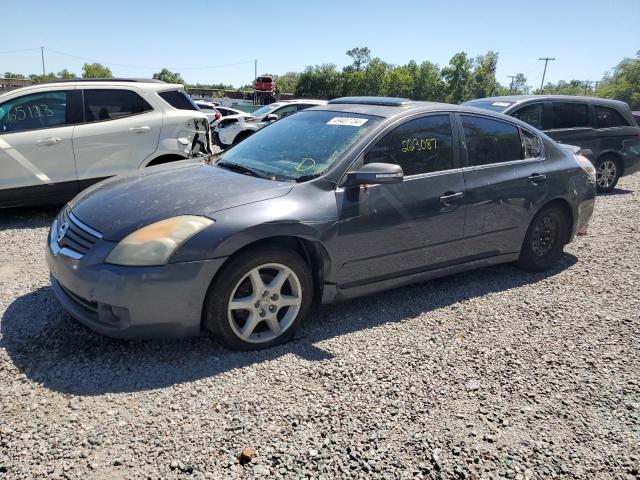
(570, 115)
(112, 104)
(609, 117)
(264, 79)
(494, 106)
(491, 141)
(178, 99)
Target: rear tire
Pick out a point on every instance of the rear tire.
(545, 240)
(259, 299)
(608, 171)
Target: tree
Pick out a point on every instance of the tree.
(623, 83)
(428, 84)
(66, 74)
(519, 85)
(457, 75)
(95, 70)
(574, 87)
(398, 82)
(287, 83)
(17, 76)
(483, 79)
(320, 81)
(360, 57)
(35, 78)
(168, 76)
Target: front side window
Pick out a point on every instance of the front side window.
(608, 117)
(531, 114)
(570, 115)
(299, 147)
(491, 141)
(112, 104)
(285, 111)
(178, 99)
(34, 111)
(419, 146)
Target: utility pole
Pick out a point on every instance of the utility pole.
(544, 73)
(42, 55)
(255, 69)
(511, 84)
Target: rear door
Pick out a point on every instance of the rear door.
(505, 178)
(392, 230)
(36, 151)
(573, 123)
(616, 134)
(119, 132)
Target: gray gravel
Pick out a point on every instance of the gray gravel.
(490, 374)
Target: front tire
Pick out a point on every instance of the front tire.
(259, 299)
(545, 240)
(607, 173)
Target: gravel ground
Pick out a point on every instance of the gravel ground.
(488, 374)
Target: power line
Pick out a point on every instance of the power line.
(20, 50)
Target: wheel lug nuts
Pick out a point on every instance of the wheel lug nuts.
(274, 297)
(272, 308)
(262, 312)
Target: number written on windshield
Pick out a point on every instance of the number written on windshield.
(417, 144)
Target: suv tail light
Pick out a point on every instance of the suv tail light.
(586, 165)
(218, 115)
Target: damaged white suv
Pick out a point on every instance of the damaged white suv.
(57, 138)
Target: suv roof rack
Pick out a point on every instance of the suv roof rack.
(385, 101)
(139, 80)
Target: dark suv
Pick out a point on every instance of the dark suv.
(605, 129)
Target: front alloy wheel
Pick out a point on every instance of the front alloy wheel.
(264, 303)
(607, 175)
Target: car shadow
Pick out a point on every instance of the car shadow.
(616, 191)
(17, 218)
(51, 348)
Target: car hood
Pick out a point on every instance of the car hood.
(121, 205)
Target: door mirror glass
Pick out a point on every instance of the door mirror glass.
(374, 173)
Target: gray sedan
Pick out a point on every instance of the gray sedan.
(338, 201)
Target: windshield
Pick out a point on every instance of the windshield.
(496, 106)
(265, 110)
(300, 147)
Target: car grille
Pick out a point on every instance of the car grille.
(75, 235)
(88, 307)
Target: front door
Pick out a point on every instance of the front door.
(505, 178)
(36, 150)
(119, 132)
(391, 230)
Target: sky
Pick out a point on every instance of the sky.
(217, 41)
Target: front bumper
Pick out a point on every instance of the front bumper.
(132, 302)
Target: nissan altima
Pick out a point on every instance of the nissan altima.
(341, 200)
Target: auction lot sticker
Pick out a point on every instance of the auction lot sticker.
(348, 121)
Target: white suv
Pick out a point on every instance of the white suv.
(57, 138)
(235, 128)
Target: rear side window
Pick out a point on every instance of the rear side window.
(608, 117)
(178, 99)
(531, 144)
(569, 115)
(419, 146)
(491, 141)
(531, 114)
(33, 112)
(112, 104)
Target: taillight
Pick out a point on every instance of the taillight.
(586, 165)
(218, 115)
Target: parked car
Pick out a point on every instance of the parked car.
(265, 83)
(338, 201)
(234, 129)
(605, 129)
(209, 109)
(57, 138)
(227, 111)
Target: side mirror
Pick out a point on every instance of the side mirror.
(272, 117)
(375, 173)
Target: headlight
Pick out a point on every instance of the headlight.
(155, 243)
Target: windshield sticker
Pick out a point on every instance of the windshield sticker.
(305, 164)
(501, 104)
(348, 121)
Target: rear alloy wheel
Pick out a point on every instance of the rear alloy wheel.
(545, 240)
(608, 174)
(259, 299)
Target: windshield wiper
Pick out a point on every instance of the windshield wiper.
(242, 169)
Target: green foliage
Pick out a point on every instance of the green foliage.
(168, 76)
(457, 75)
(360, 56)
(321, 81)
(483, 79)
(66, 75)
(574, 87)
(287, 83)
(519, 85)
(95, 70)
(42, 78)
(17, 76)
(623, 83)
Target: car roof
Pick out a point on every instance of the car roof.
(302, 100)
(145, 83)
(524, 98)
(390, 106)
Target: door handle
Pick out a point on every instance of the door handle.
(450, 197)
(143, 129)
(48, 141)
(537, 178)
